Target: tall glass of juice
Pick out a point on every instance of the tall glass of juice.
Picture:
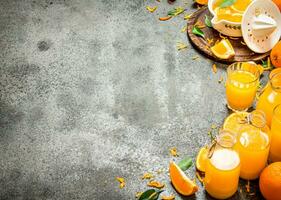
(223, 167)
(253, 145)
(275, 147)
(241, 85)
(271, 95)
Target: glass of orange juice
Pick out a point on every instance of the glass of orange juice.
(241, 85)
(271, 95)
(275, 147)
(223, 164)
(253, 145)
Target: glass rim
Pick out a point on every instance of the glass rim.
(257, 114)
(275, 110)
(253, 64)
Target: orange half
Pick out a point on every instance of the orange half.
(181, 182)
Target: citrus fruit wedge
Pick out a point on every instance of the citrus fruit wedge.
(223, 49)
(181, 182)
(233, 121)
(202, 159)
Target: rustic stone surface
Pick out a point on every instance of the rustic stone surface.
(94, 89)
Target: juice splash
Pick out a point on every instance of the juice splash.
(231, 13)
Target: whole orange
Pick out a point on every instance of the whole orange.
(275, 55)
(270, 182)
(278, 3)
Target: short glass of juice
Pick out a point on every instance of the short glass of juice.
(275, 146)
(241, 85)
(223, 167)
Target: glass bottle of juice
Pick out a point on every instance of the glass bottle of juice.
(275, 146)
(223, 167)
(253, 145)
(271, 95)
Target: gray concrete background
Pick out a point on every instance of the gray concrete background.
(94, 89)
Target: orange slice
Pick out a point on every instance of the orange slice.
(233, 121)
(202, 2)
(181, 182)
(223, 49)
(201, 159)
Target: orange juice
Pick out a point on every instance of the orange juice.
(222, 174)
(231, 13)
(222, 167)
(241, 85)
(275, 147)
(253, 148)
(253, 145)
(271, 95)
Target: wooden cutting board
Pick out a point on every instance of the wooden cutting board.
(242, 52)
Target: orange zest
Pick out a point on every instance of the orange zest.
(165, 18)
(147, 176)
(121, 181)
(151, 9)
(155, 184)
(214, 67)
(174, 152)
(171, 197)
(180, 181)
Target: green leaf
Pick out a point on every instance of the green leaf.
(264, 63)
(198, 31)
(226, 3)
(208, 21)
(185, 163)
(150, 194)
(147, 194)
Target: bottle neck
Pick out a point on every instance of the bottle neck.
(257, 119)
(226, 139)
